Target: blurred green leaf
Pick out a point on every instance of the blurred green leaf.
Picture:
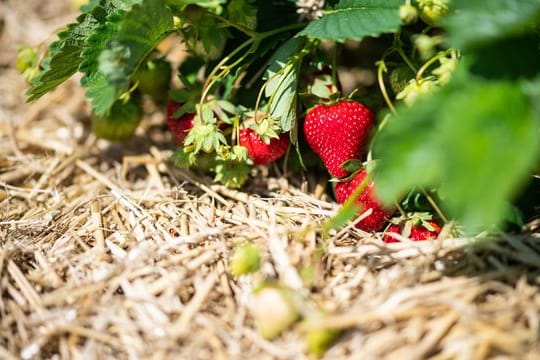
(511, 58)
(479, 22)
(476, 140)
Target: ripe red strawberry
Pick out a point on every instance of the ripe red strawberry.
(393, 229)
(421, 232)
(259, 151)
(338, 133)
(181, 126)
(367, 200)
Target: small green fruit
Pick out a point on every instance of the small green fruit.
(431, 11)
(445, 70)
(273, 311)
(153, 78)
(415, 89)
(27, 57)
(408, 13)
(400, 77)
(246, 259)
(121, 123)
(318, 341)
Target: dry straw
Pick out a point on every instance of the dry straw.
(109, 252)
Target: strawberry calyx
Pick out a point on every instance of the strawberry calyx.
(323, 85)
(416, 226)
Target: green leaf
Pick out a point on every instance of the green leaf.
(203, 34)
(356, 19)
(344, 215)
(282, 77)
(117, 48)
(243, 13)
(64, 57)
(232, 173)
(510, 58)
(479, 22)
(476, 140)
(208, 4)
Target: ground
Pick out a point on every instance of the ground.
(109, 251)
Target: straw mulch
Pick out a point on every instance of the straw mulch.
(109, 252)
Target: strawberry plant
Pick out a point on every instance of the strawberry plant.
(453, 113)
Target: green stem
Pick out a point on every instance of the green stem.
(240, 28)
(434, 205)
(297, 60)
(430, 62)
(334, 65)
(253, 41)
(406, 59)
(212, 78)
(381, 67)
(347, 205)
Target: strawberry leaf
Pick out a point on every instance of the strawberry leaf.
(282, 77)
(482, 21)
(243, 13)
(64, 57)
(232, 173)
(344, 215)
(352, 165)
(356, 19)
(478, 159)
(115, 51)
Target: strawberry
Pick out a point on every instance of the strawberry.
(338, 133)
(122, 121)
(415, 228)
(259, 151)
(153, 78)
(367, 200)
(179, 126)
(431, 11)
(428, 229)
(393, 229)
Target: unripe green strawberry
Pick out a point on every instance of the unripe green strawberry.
(246, 259)
(431, 11)
(121, 123)
(153, 78)
(338, 133)
(273, 310)
(399, 78)
(367, 200)
(319, 340)
(445, 70)
(415, 89)
(408, 13)
(27, 58)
